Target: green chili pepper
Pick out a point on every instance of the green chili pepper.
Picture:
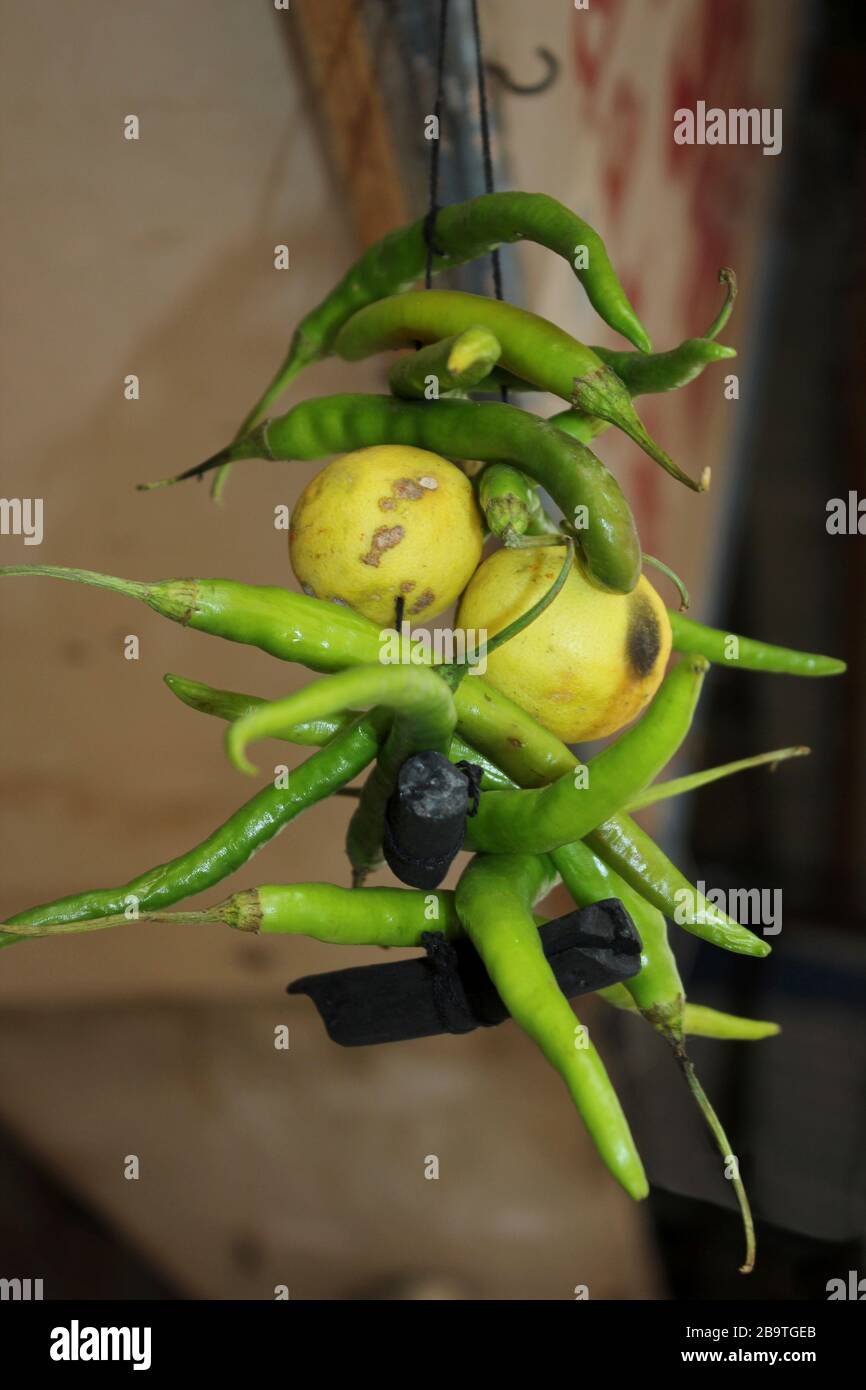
(230, 705)
(293, 627)
(321, 911)
(422, 698)
(661, 791)
(540, 820)
(230, 846)
(576, 480)
(532, 348)
(463, 232)
(727, 649)
(494, 902)
(664, 371)
(453, 364)
(649, 374)
(512, 507)
(642, 373)
(504, 498)
(699, 1021)
(622, 843)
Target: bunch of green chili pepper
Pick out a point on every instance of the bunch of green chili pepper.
(542, 817)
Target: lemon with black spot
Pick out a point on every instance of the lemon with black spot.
(590, 663)
(384, 523)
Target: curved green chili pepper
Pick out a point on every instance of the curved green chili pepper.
(453, 364)
(576, 480)
(417, 694)
(229, 847)
(463, 232)
(494, 902)
(642, 373)
(666, 371)
(650, 374)
(727, 649)
(532, 348)
(321, 911)
(540, 820)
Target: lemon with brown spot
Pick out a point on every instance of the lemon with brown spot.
(385, 523)
(590, 663)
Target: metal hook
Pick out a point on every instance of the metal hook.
(527, 89)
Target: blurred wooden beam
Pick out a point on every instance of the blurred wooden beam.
(341, 72)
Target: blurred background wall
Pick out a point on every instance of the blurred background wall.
(156, 257)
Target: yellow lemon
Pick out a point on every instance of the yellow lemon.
(590, 663)
(383, 523)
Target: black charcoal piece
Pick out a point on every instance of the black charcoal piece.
(425, 819)
(448, 990)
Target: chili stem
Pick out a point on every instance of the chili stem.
(715, 1127)
(728, 278)
(671, 575)
(675, 786)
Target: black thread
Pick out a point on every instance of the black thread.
(489, 185)
(433, 191)
(473, 774)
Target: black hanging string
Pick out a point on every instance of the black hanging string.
(433, 205)
(487, 157)
(486, 152)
